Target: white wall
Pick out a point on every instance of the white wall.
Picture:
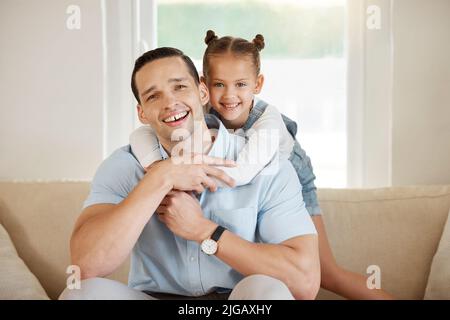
(65, 96)
(51, 90)
(421, 99)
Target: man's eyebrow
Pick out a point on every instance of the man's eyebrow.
(148, 90)
(177, 79)
(170, 80)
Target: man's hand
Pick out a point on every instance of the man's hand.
(182, 214)
(193, 175)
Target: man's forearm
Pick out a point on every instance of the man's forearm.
(104, 240)
(298, 269)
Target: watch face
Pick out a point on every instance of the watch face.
(209, 246)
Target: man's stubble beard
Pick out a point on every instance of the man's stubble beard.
(195, 141)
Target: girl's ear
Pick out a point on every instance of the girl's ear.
(259, 84)
(141, 114)
(204, 93)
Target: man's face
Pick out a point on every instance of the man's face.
(169, 98)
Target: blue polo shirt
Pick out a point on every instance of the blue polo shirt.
(270, 209)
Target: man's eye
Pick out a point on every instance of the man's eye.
(151, 97)
(241, 84)
(180, 86)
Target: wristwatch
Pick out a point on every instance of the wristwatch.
(209, 246)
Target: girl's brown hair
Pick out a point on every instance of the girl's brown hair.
(237, 46)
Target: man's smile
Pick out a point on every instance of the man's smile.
(176, 119)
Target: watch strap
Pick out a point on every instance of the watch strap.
(217, 233)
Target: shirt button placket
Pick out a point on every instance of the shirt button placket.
(191, 267)
(194, 276)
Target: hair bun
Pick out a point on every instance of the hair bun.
(259, 42)
(210, 36)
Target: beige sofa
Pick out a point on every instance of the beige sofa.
(397, 229)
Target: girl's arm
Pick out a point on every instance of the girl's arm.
(145, 145)
(267, 138)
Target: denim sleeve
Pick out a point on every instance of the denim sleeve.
(304, 169)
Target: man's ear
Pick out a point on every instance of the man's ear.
(204, 93)
(141, 114)
(259, 84)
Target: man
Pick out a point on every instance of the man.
(257, 240)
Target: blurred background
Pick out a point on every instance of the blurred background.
(368, 82)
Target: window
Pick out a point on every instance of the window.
(303, 63)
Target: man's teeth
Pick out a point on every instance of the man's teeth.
(176, 117)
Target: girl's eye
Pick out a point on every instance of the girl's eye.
(241, 84)
(218, 85)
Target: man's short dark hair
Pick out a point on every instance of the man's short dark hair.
(159, 53)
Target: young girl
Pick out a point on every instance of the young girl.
(231, 71)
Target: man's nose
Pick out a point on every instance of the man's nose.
(170, 101)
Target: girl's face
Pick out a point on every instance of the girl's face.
(232, 84)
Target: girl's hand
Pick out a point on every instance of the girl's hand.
(192, 173)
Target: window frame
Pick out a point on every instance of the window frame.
(369, 95)
(369, 55)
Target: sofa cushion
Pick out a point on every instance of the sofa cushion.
(16, 280)
(397, 229)
(438, 286)
(39, 217)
